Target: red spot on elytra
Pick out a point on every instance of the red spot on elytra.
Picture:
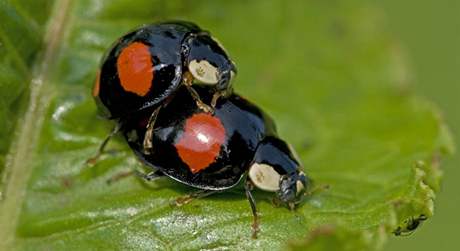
(135, 68)
(201, 141)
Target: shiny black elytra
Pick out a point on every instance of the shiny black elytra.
(145, 67)
(186, 139)
(165, 53)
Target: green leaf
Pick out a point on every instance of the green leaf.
(325, 70)
(21, 32)
(329, 237)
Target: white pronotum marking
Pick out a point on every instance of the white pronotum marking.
(204, 72)
(264, 177)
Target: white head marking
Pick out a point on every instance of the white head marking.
(299, 185)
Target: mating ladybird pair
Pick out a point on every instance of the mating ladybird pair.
(168, 86)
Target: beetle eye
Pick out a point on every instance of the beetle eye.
(204, 72)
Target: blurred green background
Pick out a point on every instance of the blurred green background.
(429, 33)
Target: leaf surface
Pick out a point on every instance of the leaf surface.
(325, 70)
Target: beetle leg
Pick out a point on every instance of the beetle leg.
(195, 195)
(149, 176)
(147, 144)
(216, 97)
(188, 83)
(100, 150)
(317, 189)
(248, 186)
(198, 101)
(146, 176)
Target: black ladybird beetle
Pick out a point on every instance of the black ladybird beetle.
(145, 67)
(215, 151)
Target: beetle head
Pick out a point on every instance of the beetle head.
(208, 62)
(275, 168)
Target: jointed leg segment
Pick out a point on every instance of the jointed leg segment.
(188, 81)
(147, 144)
(146, 176)
(198, 100)
(101, 148)
(190, 197)
(248, 186)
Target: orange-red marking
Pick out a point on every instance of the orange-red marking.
(135, 68)
(97, 84)
(201, 141)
